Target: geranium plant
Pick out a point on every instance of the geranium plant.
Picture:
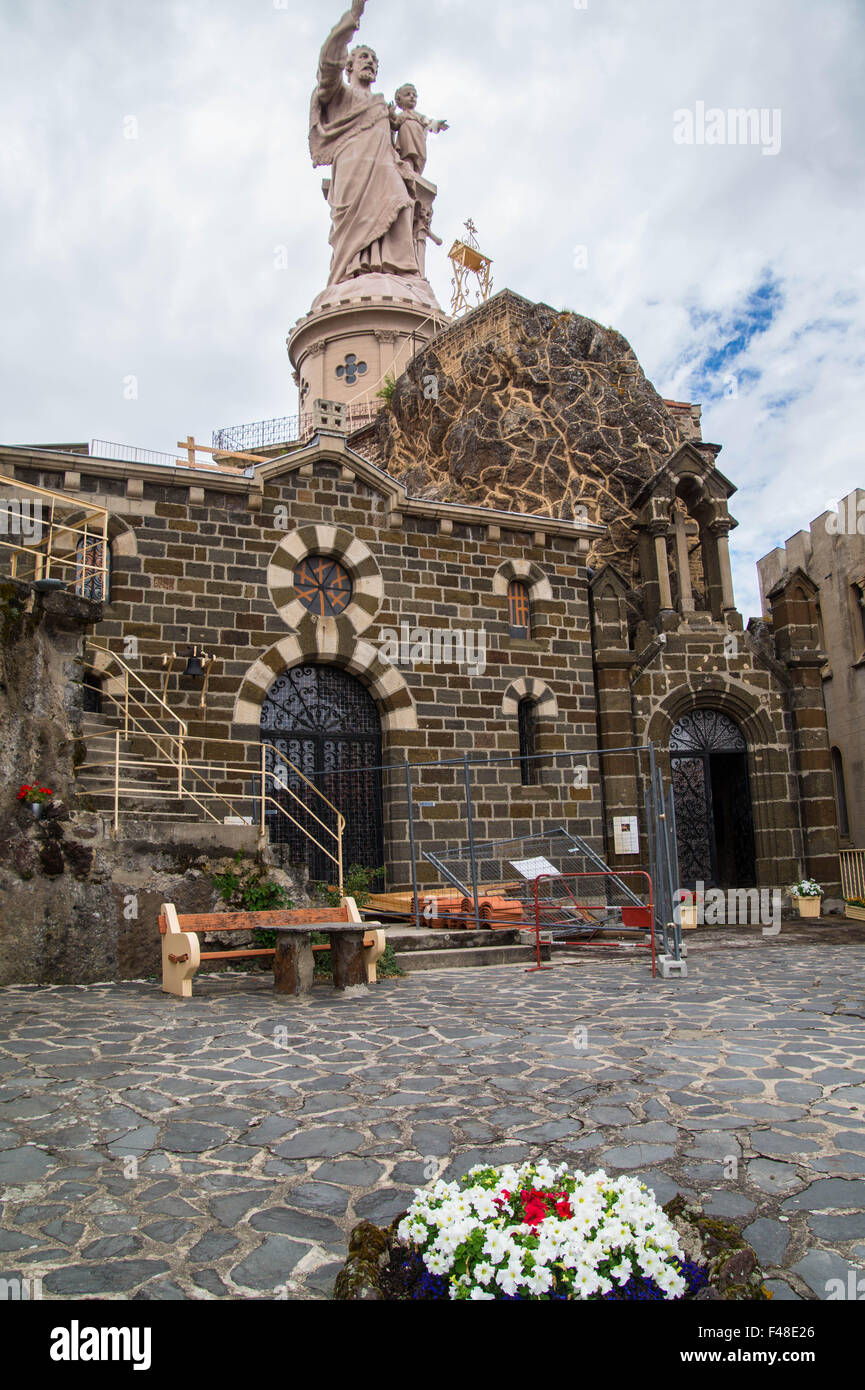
(35, 796)
(808, 888)
(538, 1232)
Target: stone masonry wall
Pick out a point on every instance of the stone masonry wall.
(199, 576)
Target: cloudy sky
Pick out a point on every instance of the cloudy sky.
(155, 184)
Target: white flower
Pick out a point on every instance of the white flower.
(477, 1294)
(509, 1278)
(497, 1246)
(539, 1281)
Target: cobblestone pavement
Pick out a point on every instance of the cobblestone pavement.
(223, 1147)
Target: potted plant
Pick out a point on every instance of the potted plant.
(807, 895)
(856, 909)
(36, 798)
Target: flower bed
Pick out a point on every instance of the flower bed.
(541, 1233)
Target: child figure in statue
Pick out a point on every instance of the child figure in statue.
(411, 129)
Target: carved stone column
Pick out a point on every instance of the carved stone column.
(721, 531)
(659, 532)
(683, 564)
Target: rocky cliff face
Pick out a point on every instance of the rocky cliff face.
(531, 411)
(76, 904)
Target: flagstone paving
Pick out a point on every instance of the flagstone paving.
(223, 1147)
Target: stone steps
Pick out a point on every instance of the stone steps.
(417, 949)
(467, 957)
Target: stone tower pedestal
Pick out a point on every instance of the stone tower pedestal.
(359, 332)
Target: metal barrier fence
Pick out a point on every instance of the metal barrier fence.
(581, 909)
(437, 815)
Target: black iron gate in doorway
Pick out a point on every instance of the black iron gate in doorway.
(709, 763)
(322, 721)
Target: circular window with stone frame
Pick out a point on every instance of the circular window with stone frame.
(294, 569)
(323, 586)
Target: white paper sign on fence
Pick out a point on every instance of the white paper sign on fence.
(533, 868)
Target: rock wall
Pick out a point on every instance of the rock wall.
(531, 411)
(76, 905)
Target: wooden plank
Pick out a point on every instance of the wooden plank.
(225, 453)
(249, 921)
(235, 955)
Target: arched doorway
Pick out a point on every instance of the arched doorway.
(326, 723)
(714, 822)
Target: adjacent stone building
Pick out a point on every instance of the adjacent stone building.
(830, 559)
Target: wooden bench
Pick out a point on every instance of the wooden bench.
(350, 938)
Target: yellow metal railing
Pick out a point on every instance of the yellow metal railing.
(168, 734)
(47, 535)
(281, 783)
(134, 711)
(853, 873)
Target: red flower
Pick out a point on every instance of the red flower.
(23, 792)
(47, 791)
(534, 1207)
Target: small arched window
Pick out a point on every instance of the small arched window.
(519, 609)
(528, 725)
(841, 794)
(93, 570)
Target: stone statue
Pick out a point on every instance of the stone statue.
(411, 128)
(372, 208)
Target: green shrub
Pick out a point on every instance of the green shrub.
(387, 391)
(252, 891)
(358, 883)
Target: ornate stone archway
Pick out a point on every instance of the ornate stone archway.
(385, 684)
(771, 778)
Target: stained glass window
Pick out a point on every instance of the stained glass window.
(93, 571)
(519, 609)
(323, 586)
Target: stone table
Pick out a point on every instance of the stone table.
(294, 962)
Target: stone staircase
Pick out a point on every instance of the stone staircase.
(418, 948)
(95, 778)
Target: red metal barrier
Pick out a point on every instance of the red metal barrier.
(634, 917)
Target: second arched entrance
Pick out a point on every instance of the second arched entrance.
(711, 786)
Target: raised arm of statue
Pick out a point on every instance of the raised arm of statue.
(334, 54)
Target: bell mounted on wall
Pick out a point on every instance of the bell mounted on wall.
(197, 668)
